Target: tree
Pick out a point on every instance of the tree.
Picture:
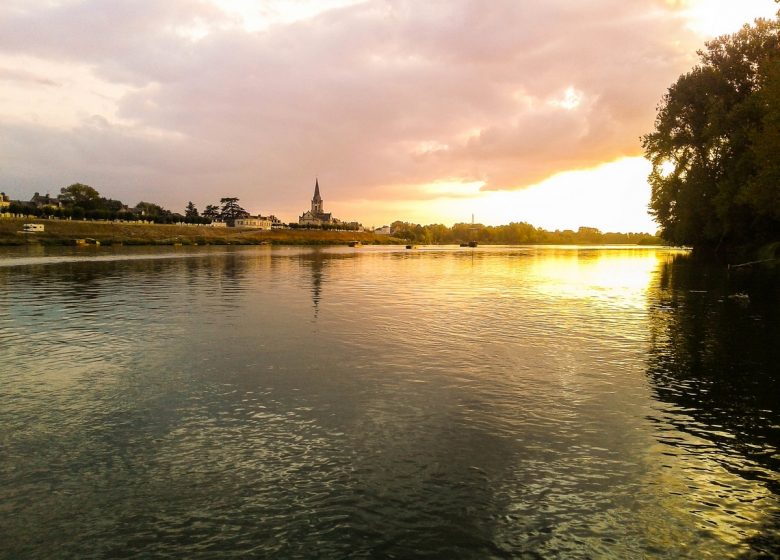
(211, 212)
(156, 213)
(149, 209)
(79, 194)
(714, 150)
(191, 213)
(231, 210)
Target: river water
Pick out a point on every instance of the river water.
(501, 402)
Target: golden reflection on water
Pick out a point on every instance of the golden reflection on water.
(614, 277)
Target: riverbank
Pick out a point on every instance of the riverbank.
(68, 232)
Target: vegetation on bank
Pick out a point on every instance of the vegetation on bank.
(67, 232)
(517, 233)
(79, 202)
(715, 149)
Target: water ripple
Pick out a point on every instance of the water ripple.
(333, 403)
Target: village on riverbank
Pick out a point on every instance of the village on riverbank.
(79, 215)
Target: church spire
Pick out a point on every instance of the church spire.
(317, 189)
(316, 202)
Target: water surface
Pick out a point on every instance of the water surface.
(438, 403)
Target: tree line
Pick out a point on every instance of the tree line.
(79, 201)
(516, 233)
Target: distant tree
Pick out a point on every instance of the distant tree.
(110, 205)
(231, 210)
(191, 212)
(156, 213)
(79, 194)
(211, 212)
(716, 173)
(149, 209)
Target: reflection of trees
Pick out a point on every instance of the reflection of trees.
(715, 358)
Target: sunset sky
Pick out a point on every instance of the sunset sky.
(513, 110)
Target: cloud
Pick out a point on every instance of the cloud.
(14, 75)
(369, 96)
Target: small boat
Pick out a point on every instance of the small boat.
(87, 241)
(411, 246)
(355, 244)
(464, 244)
(473, 242)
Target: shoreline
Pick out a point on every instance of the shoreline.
(77, 232)
(68, 232)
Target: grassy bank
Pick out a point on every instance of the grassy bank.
(64, 232)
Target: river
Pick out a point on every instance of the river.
(498, 402)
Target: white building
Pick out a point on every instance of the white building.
(254, 222)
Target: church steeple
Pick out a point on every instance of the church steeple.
(316, 202)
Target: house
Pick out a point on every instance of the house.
(5, 202)
(276, 223)
(44, 201)
(254, 222)
(384, 230)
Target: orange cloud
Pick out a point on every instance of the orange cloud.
(368, 96)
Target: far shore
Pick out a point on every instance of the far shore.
(70, 232)
(75, 232)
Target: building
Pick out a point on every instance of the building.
(276, 223)
(384, 230)
(254, 222)
(5, 201)
(316, 216)
(45, 201)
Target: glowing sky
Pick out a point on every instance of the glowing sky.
(514, 110)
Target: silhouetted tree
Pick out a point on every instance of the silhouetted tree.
(715, 177)
(191, 212)
(79, 194)
(231, 210)
(211, 212)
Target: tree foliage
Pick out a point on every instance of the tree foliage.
(515, 233)
(716, 178)
(191, 211)
(231, 210)
(211, 212)
(79, 194)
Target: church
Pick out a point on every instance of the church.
(316, 216)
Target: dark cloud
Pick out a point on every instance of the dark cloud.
(371, 96)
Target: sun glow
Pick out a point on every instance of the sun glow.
(711, 18)
(612, 197)
(571, 99)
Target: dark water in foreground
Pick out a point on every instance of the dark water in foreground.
(332, 403)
